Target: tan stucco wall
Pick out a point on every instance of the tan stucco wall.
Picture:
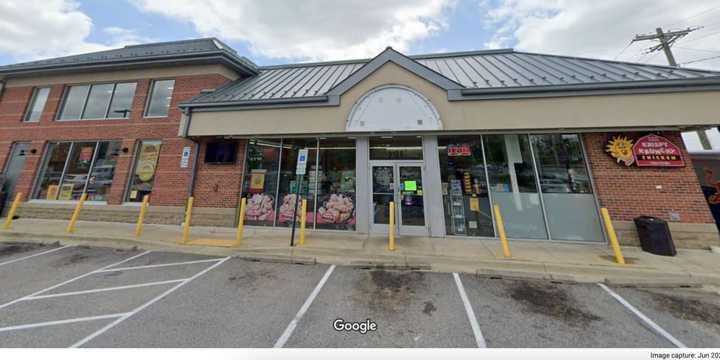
(147, 73)
(676, 109)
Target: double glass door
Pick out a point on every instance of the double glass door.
(401, 182)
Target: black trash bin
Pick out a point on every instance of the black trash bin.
(654, 234)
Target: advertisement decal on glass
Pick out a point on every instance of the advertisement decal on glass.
(257, 180)
(147, 162)
(459, 150)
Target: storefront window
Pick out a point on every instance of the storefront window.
(261, 181)
(143, 175)
(289, 182)
(565, 184)
(103, 171)
(335, 185)
(52, 170)
(396, 148)
(464, 187)
(513, 185)
(66, 173)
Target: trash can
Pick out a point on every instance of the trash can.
(654, 234)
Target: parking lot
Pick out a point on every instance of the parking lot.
(76, 296)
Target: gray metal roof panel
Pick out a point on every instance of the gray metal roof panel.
(136, 53)
(499, 69)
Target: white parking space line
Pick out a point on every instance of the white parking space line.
(162, 265)
(144, 306)
(27, 297)
(91, 291)
(655, 327)
(33, 255)
(60, 322)
(303, 309)
(479, 338)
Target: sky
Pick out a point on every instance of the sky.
(284, 31)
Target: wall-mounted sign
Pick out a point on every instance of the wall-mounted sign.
(646, 151)
(185, 159)
(147, 161)
(459, 150)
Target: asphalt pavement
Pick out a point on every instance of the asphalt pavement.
(78, 296)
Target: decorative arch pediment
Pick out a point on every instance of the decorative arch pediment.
(393, 108)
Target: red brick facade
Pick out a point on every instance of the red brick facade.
(219, 185)
(628, 192)
(171, 182)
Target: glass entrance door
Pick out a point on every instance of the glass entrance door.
(402, 183)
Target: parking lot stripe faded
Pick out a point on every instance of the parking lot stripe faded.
(91, 291)
(145, 305)
(303, 309)
(60, 322)
(27, 297)
(479, 338)
(655, 327)
(34, 255)
(162, 265)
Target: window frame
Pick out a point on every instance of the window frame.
(148, 98)
(86, 99)
(31, 104)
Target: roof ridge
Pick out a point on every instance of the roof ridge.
(171, 42)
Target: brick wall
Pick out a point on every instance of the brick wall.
(628, 192)
(171, 182)
(219, 185)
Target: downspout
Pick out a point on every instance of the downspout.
(2, 88)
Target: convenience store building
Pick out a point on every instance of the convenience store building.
(550, 139)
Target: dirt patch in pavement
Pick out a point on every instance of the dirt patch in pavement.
(429, 308)
(252, 279)
(389, 292)
(551, 300)
(11, 248)
(687, 308)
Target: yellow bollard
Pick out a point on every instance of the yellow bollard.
(303, 218)
(76, 215)
(241, 223)
(391, 243)
(612, 236)
(501, 232)
(141, 217)
(13, 209)
(186, 224)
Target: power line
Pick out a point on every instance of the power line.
(694, 16)
(623, 50)
(703, 59)
(705, 50)
(702, 37)
(666, 40)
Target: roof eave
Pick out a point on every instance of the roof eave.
(319, 100)
(210, 57)
(620, 88)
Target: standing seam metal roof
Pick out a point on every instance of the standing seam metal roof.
(492, 69)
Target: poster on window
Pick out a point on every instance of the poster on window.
(147, 161)
(257, 180)
(337, 209)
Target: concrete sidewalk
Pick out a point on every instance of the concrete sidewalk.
(531, 259)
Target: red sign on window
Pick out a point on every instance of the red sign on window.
(657, 151)
(459, 150)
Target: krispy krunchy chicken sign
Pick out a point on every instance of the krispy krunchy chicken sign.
(647, 151)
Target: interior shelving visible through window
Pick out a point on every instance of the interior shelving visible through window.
(160, 96)
(37, 104)
(70, 169)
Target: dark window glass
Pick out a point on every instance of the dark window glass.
(261, 180)
(37, 104)
(464, 187)
(74, 102)
(103, 171)
(78, 168)
(122, 101)
(221, 153)
(289, 181)
(52, 170)
(561, 164)
(335, 179)
(160, 98)
(98, 101)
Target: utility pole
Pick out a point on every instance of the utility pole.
(667, 39)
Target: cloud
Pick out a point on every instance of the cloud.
(602, 28)
(36, 29)
(313, 29)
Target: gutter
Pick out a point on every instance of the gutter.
(280, 101)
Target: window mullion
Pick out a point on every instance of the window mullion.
(87, 98)
(92, 163)
(67, 163)
(109, 105)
